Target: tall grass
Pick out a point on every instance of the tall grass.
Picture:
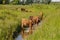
(10, 18)
(50, 26)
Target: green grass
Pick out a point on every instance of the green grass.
(50, 27)
(10, 18)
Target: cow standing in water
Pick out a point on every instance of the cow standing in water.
(26, 23)
(36, 19)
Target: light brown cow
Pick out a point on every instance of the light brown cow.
(26, 23)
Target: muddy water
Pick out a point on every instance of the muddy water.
(19, 37)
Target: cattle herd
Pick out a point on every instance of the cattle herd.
(32, 20)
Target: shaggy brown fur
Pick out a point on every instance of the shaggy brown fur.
(36, 19)
(28, 23)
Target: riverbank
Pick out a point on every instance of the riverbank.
(10, 19)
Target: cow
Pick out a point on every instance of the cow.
(22, 9)
(36, 19)
(26, 23)
(25, 10)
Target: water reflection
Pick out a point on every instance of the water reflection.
(19, 37)
(26, 34)
(18, 34)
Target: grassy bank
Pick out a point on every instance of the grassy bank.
(10, 18)
(50, 27)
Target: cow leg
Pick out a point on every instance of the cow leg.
(30, 31)
(30, 28)
(37, 22)
(34, 22)
(22, 30)
(23, 33)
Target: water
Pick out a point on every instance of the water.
(19, 37)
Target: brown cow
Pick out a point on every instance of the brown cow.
(22, 9)
(26, 23)
(36, 19)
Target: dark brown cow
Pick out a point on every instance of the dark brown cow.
(36, 19)
(26, 23)
(22, 9)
